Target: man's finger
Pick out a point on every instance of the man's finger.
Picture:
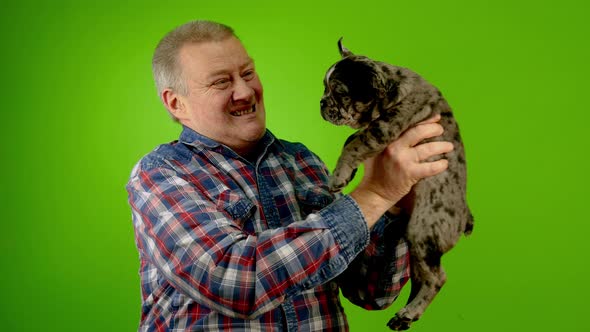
(421, 132)
(427, 150)
(431, 168)
(432, 119)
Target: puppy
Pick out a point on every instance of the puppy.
(382, 101)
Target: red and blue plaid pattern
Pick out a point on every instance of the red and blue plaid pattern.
(232, 244)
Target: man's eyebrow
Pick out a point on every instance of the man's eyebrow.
(248, 63)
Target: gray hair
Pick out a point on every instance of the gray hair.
(165, 63)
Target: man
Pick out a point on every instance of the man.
(236, 229)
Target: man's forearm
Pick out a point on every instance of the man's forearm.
(372, 205)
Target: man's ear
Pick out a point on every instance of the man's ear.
(344, 52)
(174, 104)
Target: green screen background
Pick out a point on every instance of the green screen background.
(79, 109)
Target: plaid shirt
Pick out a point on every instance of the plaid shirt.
(231, 244)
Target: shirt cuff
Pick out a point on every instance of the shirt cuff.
(347, 223)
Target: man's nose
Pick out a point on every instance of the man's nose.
(242, 91)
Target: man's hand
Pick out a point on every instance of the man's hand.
(391, 175)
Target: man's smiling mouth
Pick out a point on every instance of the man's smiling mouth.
(244, 112)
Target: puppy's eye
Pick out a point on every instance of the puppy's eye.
(346, 99)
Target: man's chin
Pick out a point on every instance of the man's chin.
(255, 134)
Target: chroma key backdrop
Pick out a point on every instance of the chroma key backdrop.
(80, 109)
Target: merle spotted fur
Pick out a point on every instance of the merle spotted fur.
(382, 101)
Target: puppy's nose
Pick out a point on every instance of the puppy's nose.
(323, 103)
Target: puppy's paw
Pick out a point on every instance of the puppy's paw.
(336, 185)
(399, 322)
(341, 177)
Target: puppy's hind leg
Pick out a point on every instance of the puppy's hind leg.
(427, 279)
(401, 321)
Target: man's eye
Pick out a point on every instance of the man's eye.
(248, 74)
(222, 83)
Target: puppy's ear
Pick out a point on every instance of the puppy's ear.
(344, 52)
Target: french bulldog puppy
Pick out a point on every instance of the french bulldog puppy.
(382, 101)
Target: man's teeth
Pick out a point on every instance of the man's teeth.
(239, 113)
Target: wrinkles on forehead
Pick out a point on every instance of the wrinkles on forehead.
(224, 69)
(202, 61)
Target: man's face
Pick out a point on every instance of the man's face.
(224, 100)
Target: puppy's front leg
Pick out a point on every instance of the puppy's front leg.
(360, 146)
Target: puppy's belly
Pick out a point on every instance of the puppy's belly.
(438, 217)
